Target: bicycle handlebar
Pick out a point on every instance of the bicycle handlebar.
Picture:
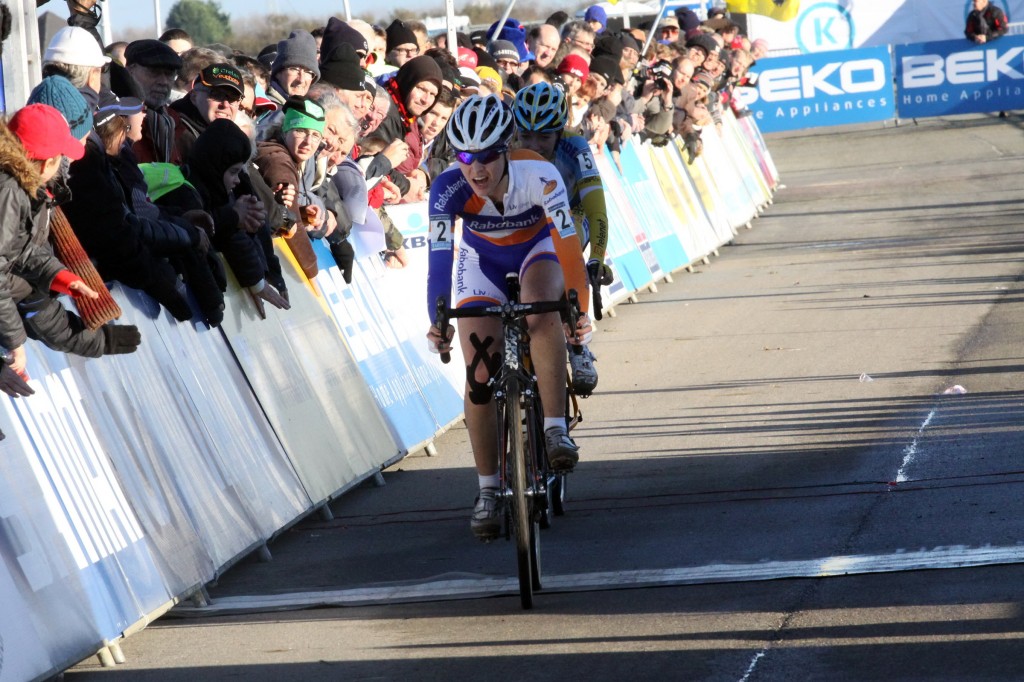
(569, 308)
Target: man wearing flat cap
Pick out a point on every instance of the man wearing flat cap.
(154, 65)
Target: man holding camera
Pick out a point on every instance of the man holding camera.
(656, 101)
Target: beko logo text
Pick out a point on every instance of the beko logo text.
(961, 68)
(835, 79)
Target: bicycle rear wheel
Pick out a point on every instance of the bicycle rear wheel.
(521, 514)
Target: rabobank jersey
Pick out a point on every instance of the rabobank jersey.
(535, 206)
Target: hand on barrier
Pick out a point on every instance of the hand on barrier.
(250, 213)
(271, 296)
(693, 147)
(285, 195)
(80, 289)
(12, 383)
(638, 123)
(204, 222)
(120, 339)
(175, 300)
(396, 259)
(392, 195)
(313, 215)
(17, 360)
(417, 187)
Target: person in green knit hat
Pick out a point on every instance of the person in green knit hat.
(286, 162)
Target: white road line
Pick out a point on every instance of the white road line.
(753, 664)
(471, 586)
(910, 452)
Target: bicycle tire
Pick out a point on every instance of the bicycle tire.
(536, 476)
(541, 473)
(521, 521)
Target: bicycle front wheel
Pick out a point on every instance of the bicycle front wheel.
(521, 517)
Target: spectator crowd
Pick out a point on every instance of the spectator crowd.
(172, 166)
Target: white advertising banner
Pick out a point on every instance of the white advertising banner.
(848, 24)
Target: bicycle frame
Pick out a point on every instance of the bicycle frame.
(522, 466)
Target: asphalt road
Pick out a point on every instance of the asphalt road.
(775, 417)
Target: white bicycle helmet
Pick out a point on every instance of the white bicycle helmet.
(480, 123)
(541, 108)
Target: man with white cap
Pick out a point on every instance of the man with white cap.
(75, 54)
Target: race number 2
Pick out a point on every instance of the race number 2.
(440, 233)
(563, 221)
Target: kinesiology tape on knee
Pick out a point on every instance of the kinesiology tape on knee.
(480, 392)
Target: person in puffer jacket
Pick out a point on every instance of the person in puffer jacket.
(32, 146)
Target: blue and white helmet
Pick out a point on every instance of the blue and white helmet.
(541, 108)
(480, 123)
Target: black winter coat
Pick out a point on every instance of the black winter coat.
(163, 234)
(108, 230)
(24, 250)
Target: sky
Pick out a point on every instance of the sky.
(139, 13)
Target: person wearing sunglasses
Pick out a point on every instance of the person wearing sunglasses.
(516, 218)
(542, 112)
(216, 93)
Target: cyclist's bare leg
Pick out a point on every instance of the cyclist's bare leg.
(481, 420)
(543, 282)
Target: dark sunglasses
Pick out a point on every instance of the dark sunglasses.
(223, 95)
(484, 157)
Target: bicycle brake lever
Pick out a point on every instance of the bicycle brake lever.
(441, 322)
(594, 275)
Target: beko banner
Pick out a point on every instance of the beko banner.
(958, 77)
(824, 89)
